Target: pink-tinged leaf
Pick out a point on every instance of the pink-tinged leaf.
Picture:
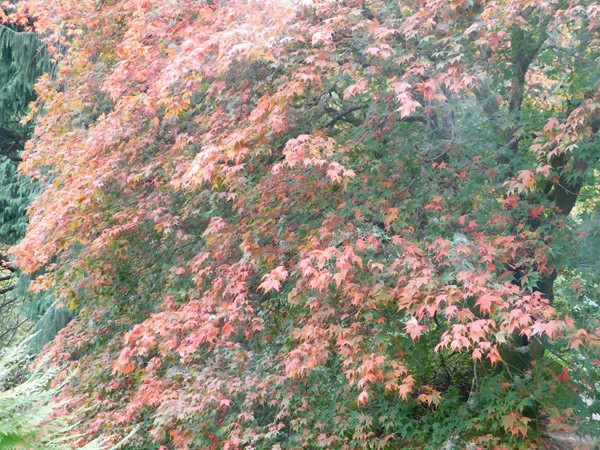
(363, 397)
(578, 339)
(516, 424)
(355, 88)
(270, 284)
(485, 302)
(551, 328)
(544, 169)
(552, 122)
(414, 329)
(383, 51)
(272, 280)
(390, 216)
(227, 330)
(494, 355)
(433, 398)
(406, 387)
(450, 311)
(322, 37)
(400, 87)
(511, 201)
(527, 178)
(123, 364)
(407, 107)
(564, 374)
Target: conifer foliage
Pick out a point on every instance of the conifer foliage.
(318, 224)
(27, 419)
(24, 400)
(23, 59)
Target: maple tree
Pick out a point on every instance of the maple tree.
(301, 224)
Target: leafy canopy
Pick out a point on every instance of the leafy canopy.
(304, 224)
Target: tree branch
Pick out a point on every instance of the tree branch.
(341, 115)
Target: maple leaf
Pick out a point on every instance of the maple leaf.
(407, 107)
(355, 88)
(123, 364)
(494, 355)
(564, 374)
(516, 423)
(414, 329)
(383, 51)
(390, 216)
(486, 301)
(322, 37)
(272, 280)
(432, 398)
(227, 329)
(363, 398)
(511, 201)
(406, 387)
(527, 178)
(551, 328)
(545, 169)
(536, 212)
(552, 122)
(270, 283)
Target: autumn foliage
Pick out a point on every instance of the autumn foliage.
(316, 224)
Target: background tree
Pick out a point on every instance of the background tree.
(23, 58)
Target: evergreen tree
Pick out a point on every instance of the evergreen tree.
(23, 58)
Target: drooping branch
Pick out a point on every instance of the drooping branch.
(12, 30)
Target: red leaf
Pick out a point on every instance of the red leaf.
(563, 375)
(494, 355)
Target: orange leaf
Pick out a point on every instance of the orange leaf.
(516, 424)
